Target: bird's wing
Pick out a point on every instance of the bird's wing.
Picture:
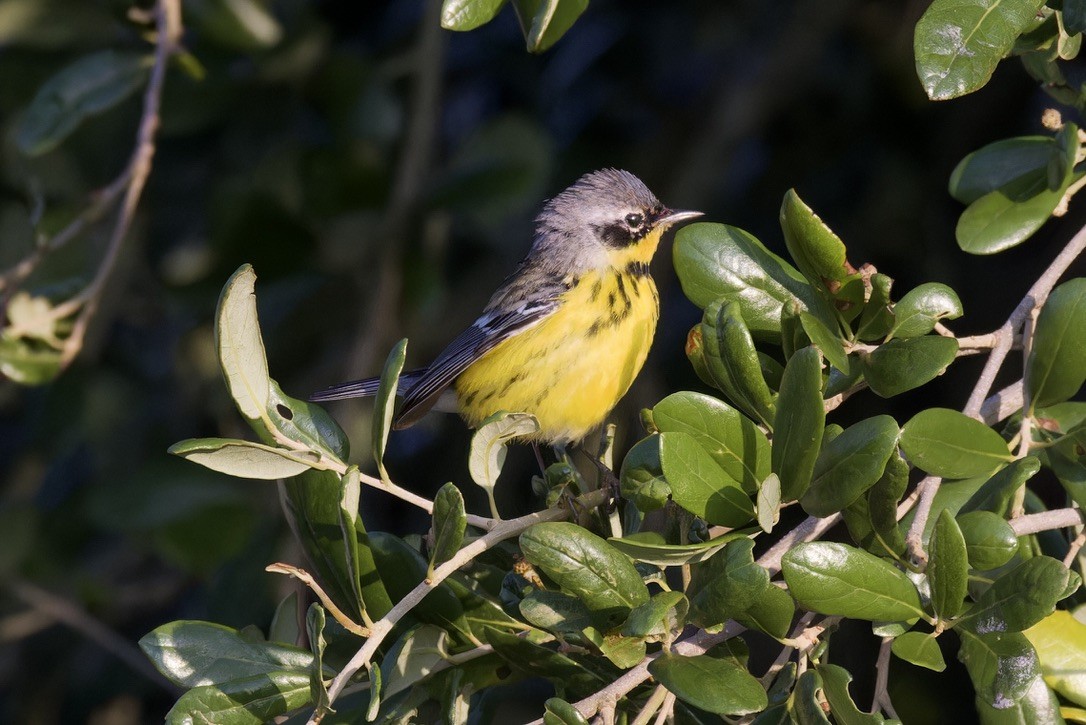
(484, 335)
(364, 388)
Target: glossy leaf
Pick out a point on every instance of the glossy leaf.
(835, 681)
(240, 346)
(1037, 705)
(876, 319)
(733, 362)
(989, 540)
(1060, 641)
(358, 559)
(1056, 367)
(958, 43)
(662, 615)
(716, 260)
(1020, 598)
(641, 478)
(799, 423)
(284, 626)
(948, 567)
(572, 680)
(733, 440)
(560, 712)
(557, 612)
(545, 21)
(714, 685)
(772, 612)
(244, 459)
(1002, 665)
(919, 649)
(412, 658)
(651, 548)
(314, 623)
(850, 464)
(998, 164)
(89, 86)
(834, 578)
(818, 252)
(900, 365)
(728, 584)
(950, 444)
(808, 701)
(401, 569)
(468, 14)
(825, 339)
(998, 492)
(586, 566)
(245, 701)
(191, 654)
(303, 422)
(882, 503)
(384, 404)
(1007, 217)
(918, 311)
(449, 524)
(700, 485)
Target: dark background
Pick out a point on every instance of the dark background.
(381, 176)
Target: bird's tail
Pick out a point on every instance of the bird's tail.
(365, 388)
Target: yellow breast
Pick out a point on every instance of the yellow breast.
(573, 367)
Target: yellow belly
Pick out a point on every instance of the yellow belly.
(571, 369)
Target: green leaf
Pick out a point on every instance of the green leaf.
(314, 623)
(989, 540)
(244, 459)
(998, 492)
(1020, 598)
(772, 612)
(799, 423)
(284, 626)
(26, 362)
(734, 441)
(825, 339)
(401, 569)
(1037, 705)
(958, 43)
(571, 679)
(837, 579)
(302, 422)
(701, 486)
(1008, 216)
(412, 658)
(558, 612)
(900, 365)
(89, 86)
(245, 25)
(919, 649)
(545, 21)
(727, 585)
(807, 700)
(1060, 640)
(358, 559)
(716, 260)
(710, 684)
(950, 444)
(560, 712)
(384, 404)
(733, 362)
(1002, 665)
(662, 615)
(240, 346)
(818, 252)
(922, 307)
(876, 317)
(882, 503)
(191, 654)
(1056, 367)
(651, 548)
(835, 682)
(768, 504)
(245, 701)
(586, 566)
(450, 521)
(488, 446)
(850, 464)
(998, 164)
(948, 567)
(468, 14)
(641, 478)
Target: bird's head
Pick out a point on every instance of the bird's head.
(607, 218)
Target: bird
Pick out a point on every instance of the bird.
(564, 335)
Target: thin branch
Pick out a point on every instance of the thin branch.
(502, 531)
(656, 700)
(1047, 521)
(1035, 298)
(168, 26)
(914, 540)
(1001, 405)
(1074, 549)
(81, 621)
(812, 528)
(882, 669)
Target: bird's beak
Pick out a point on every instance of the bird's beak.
(669, 217)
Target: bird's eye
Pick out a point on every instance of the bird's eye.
(634, 220)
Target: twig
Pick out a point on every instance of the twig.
(1034, 298)
(810, 529)
(168, 26)
(914, 540)
(81, 621)
(1001, 405)
(1074, 549)
(502, 530)
(882, 674)
(1047, 520)
(656, 700)
(667, 710)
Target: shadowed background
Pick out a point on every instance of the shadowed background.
(381, 175)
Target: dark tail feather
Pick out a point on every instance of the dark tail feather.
(364, 388)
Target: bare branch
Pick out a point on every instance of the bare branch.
(927, 488)
(1047, 520)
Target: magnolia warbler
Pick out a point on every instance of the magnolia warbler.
(566, 334)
